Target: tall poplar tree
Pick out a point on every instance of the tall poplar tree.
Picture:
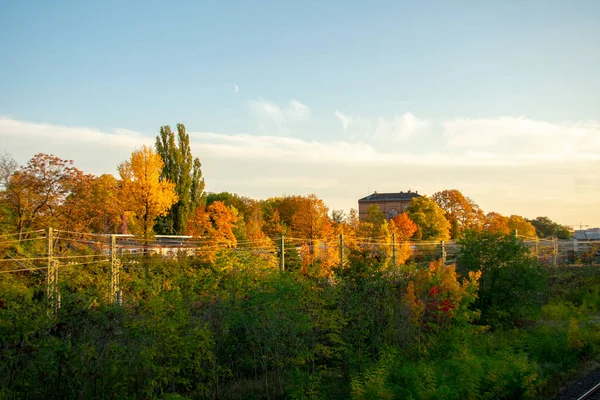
(184, 171)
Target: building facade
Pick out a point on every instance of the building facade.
(390, 204)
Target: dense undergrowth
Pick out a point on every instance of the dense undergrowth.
(495, 326)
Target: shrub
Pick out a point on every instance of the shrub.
(512, 281)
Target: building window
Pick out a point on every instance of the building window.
(392, 213)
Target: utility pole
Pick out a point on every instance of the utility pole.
(443, 252)
(282, 254)
(115, 269)
(52, 295)
(394, 253)
(341, 250)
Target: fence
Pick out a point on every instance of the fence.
(50, 251)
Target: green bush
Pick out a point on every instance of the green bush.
(512, 284)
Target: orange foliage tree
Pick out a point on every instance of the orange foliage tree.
(214, 225)
(37, 192)
(143, 194)
(496, 222)
(435, 297)
(461, 212)
(404, 228)
(93, 205)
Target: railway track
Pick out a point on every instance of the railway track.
(592, 394)
(583, 387)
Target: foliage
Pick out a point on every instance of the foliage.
(511, 277)
(143, 194)
(93, 206)
(546, 228)
(461, 212)
(238, 328)
(496, 223)
(184, 171)
(310, 219)
(521, 225)
(430, 219)
(226, 323)
(214, 225)
(37, 192)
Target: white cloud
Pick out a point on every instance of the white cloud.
(345, 119)
(525, 137)
(465, 146)
(93, 150)
(341, 171)
(386, 130)
(399, 128)
(271, 112)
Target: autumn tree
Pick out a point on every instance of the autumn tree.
(93, 205)
(213, 224)
(184, 171)
(144, 195)
(461, 212)
(521, 225)
(374, 224)
(310, 219)
(403, 228)
(248, 212)
(272, 224)
(430, 219)
(496, 222)
(36, 192)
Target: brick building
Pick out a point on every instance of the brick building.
(391, 204)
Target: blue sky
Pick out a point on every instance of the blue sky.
(499, 99)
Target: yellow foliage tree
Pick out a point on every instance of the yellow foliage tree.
(521, 225)
(143, 194)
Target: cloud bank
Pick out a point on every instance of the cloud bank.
(507, 164)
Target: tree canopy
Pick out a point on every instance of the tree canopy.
(461, 212)
(144, 195)
(430, 219)
(546, 228)
(184, 171)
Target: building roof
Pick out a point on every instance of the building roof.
(588, 234)
(402, 196)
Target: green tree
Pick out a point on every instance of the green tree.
(375, 216)
(511, 277)
(430, 219)
(184, 171)
(545, 227)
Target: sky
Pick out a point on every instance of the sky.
(498, 99)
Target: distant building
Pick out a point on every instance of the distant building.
(391, 204)
(588, 234)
